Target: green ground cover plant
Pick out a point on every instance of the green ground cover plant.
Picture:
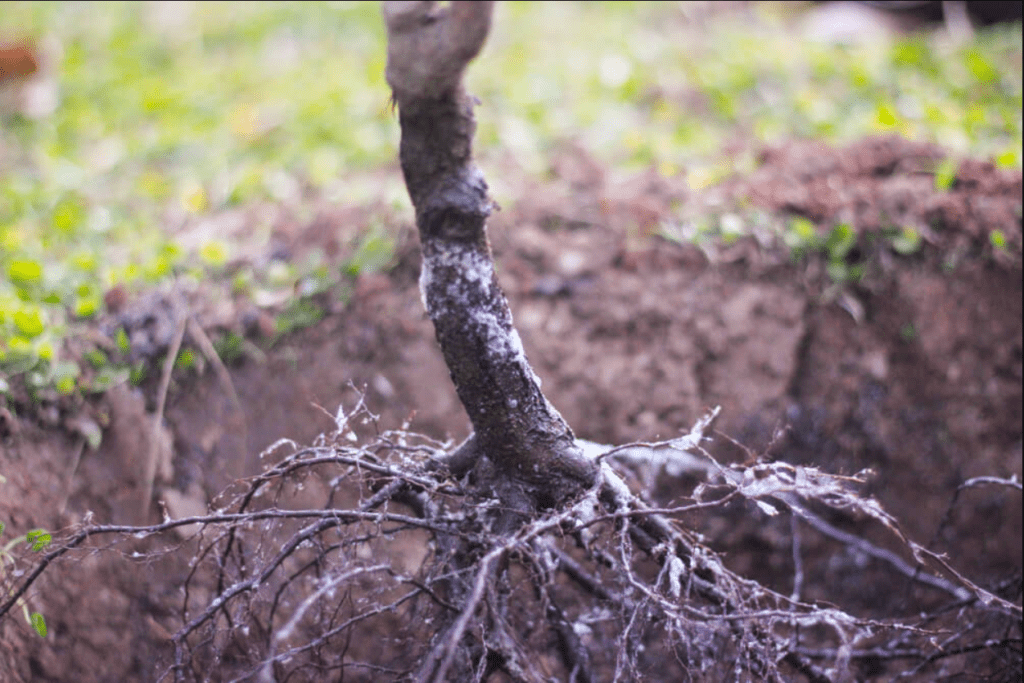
(36, 540)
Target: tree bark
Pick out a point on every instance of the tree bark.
(521, 447)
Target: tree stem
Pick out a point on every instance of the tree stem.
(524, 449)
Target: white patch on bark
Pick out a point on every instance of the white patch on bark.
(473, 269)
(620, 492)
(452, 282)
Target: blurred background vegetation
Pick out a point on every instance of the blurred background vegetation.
(149, 115)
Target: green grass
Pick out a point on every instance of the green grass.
(642, 87)
(167, 117)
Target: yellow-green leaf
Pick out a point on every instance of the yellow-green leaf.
(38, 624)
(945, 175)
(25, 272)
(29, 323)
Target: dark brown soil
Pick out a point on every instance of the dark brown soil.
(914, 372)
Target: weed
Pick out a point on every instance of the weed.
(37, 540)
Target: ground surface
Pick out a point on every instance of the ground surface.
(914, 371)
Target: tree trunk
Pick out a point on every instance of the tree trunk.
(521, 447)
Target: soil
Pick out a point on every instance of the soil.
(913, 372)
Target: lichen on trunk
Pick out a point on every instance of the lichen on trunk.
(521, 447)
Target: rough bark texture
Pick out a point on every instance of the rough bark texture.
(521, 447)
